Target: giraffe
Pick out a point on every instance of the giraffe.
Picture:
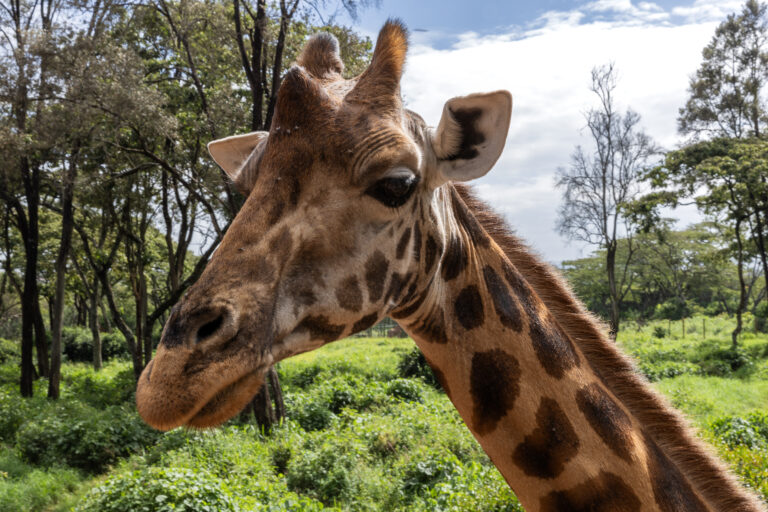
(356, 210)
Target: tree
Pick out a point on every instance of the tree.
(598, 186)
(726, 179)
(727, 93)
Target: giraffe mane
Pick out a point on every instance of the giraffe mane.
(662, 424)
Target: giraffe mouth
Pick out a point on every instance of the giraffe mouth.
(173, 391)
(227, 402)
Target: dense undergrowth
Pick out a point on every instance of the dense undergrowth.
(369, 429)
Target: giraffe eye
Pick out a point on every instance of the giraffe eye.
(393, 191)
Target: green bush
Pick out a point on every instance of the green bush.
(761, 317)
(413, 364)
(667, 369)
(423, 474)
(406, 389)
(659, 332)
(722, 362)
(159, 490)
(672, 309)
(311, 413)
(323, 473)
(751, 431)
(77, 344)
(113, 385)
(13, 412)
(82, 437)
(9, 350)
(36, 490)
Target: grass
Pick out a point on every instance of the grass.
(359, 435)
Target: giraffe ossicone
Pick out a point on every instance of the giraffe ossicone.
(354, 211)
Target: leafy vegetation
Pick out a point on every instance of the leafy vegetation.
(365, 432)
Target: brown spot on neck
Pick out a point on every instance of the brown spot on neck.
(503, 303)
(607, 419)
(604, 493)
(468, 308)
(544, 453)
(494, 383)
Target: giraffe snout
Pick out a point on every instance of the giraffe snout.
(206, 325)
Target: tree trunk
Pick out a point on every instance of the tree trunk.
(41, 342)
(277, 394)
(610, 263)
(742, 285)
(67, 224)
(93, 323)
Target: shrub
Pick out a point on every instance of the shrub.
(323, 473)
(423, 474)
(82, 437)
(13, 412)
(305, 377)
(761, 317)
(751, 431)
(659, 332)
(110, 386)
(672, 309)
(413, 364)
(77, 344)
(159, 490)
(724, 361)
(9, 350)
(36, 490)
(667, 369)
(281, 455)
(405, 389)
(311, 414)
(113, 346)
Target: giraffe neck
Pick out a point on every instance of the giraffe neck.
(555, 424)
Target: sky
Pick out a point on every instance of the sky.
(543, 52)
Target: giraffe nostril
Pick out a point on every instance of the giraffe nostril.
(208, 329)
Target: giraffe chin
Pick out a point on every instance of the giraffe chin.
(205, 400)
(227, 403)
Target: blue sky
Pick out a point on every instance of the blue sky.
(543, 52)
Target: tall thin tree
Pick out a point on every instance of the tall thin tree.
(599, 184)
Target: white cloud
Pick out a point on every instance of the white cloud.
(547, 69)
(708, 10)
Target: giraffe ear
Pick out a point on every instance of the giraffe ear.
(237, 156)
(471, 134)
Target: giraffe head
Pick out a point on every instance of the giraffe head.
(344, 222)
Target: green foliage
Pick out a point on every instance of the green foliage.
(422, 474)
(322, 472)
(406, 389)
(667, 369)
(350, 441)
(310, 414)
(672, 309)
(82, 437)
(761, 317)
(728, 90)
(36, 489)
(159, 490)
(413, 364)
(77, 344)
(112, 385)
(10, 351)
(751, 431)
